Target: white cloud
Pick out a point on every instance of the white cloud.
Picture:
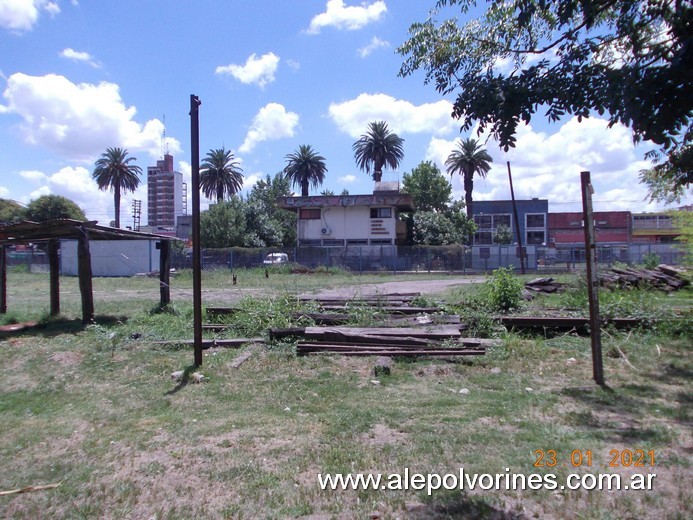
(548, 166)
(259, 71)
(4, 192)
(22, 15)
(74, 55)
(270, 123)
(353, 116)
(78, 121)
(347, 179)
(346, 17)
(293, 64)
(374, 44)
(32, 175)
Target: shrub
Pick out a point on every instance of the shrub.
(651, 261)
(504, 290)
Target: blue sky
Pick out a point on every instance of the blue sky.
(79, 76)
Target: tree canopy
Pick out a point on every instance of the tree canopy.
(113, 171)
(630, 60)
(428, 187)
(220, 175)
(51, 207)
(305, 168)
(10, 211)
(377, 148)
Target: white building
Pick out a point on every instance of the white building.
(351, 221)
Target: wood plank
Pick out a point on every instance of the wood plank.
(401, 353)
(209, 343)
(433, 332)
(242, 358)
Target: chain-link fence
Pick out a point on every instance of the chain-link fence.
(449, 259)
(388, 258)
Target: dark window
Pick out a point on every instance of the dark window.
(332, 242)
(381, 212)
(483, 238)
(309, 213)
(357, 242)
(535, 237)
(501, 220)
(535, 220)
(381, 241)
(483, 221)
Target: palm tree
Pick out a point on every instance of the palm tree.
(220, 175)
(469, 159)
(305, 168)
(378, 148)
(113, 171)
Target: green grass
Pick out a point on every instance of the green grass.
(96, 409)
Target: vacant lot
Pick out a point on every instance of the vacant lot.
(95, 409)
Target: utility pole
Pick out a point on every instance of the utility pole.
(592, 282)
(196, 249)
(517, 223)
(136, 213)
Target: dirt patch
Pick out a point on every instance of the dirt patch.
(382, 435)
(405, 286)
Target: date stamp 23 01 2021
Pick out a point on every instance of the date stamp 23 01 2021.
(583, 458)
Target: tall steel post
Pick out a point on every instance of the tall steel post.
(517, 222)
(196, 249)
(592, 282)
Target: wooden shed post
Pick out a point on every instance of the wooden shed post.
(164, 271)
(54, 265)
(3, 280)
(84, 270)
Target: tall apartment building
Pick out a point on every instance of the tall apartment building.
(166, 194)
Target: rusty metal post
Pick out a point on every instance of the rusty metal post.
(85, 282)
(165, 272)
(592, 282)
(196, 249)
(517, 222)
(54, 267)
(3, 279)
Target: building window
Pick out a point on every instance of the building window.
(535, 220)
(501, 220)
(333, 242)
(381, 241)
(485, 237)
(309, 213)
(357, 242)
(483, 221)
(310, 242)
(488, 225)
(381, 212)
(536, 238)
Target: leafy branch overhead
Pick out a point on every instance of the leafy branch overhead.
(630, 60)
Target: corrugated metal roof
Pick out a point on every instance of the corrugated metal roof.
(28, 231)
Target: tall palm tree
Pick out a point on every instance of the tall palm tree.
(305, 168)
(113, 171)
(220, 175)
(378, 148)
(468, 159)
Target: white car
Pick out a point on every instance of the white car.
(276, 258)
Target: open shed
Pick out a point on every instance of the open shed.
(52, 232)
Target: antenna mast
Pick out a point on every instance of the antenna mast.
(164, 143)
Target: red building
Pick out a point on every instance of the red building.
(612, 227)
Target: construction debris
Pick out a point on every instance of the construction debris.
(664, 277)
(545, 285)
(387, 341)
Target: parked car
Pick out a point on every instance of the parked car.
(276, 258)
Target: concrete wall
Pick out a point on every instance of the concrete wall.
(112, 257)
